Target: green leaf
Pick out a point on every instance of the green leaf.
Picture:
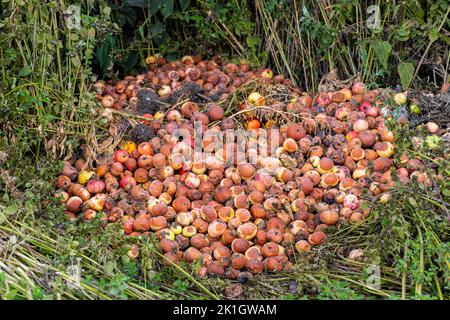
(25, 71)
(157, 28)
(155, 5)
(402, 33)
(76, 61)
(11, 294)
(138, 3)
(30, 206)
(141, 32)
(102, 53)
(184, 4)
(102, 58)
(107, 11)
(434, 34)
(446, 192)
(12, 209)
(412, 202)
(253, 42)
(405, 71)
(109, 267)
(382, 52)
(91, 32)
(37, 293)
(167, 8)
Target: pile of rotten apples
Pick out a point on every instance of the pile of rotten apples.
(215, 78)
(239, 218)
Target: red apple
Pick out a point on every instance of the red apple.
(127, 181)
(121, 156)
(145, 148)
(364, 106)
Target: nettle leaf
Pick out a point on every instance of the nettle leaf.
(419, 14)
(382, 52)
(141, 32)
(157, 28)
(102, 53)
(107, 11)
(37, 293)
(155, 5)
(12, 209)
(137, 3)
(433, 34)
(253, 41)
(184, 4)
(109, 267)
(76, 61)
(167, 8)
(25, 71)
(412, 202)
(402, 33)
(405, 71)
